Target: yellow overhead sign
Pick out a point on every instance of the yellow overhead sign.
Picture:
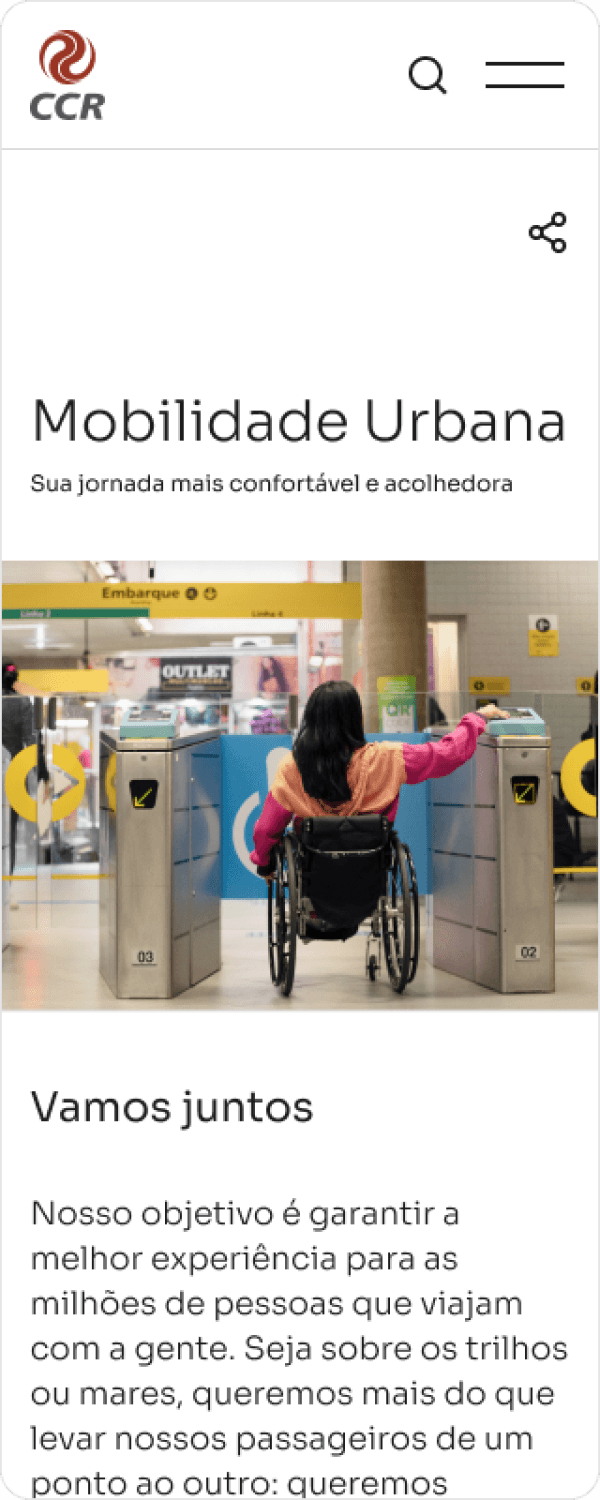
(173, 601)
(497, 687)
(585, 685)
(40, 683)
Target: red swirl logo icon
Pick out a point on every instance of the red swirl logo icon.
(67, 49)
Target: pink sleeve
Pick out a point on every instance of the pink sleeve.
(441, 757)
(268, 829)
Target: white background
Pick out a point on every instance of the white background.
(478, 1111)
(332, 274)
(311, 75)
(395, 275)
(273, 277)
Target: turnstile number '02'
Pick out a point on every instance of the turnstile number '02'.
(145, 956)
(527, 950)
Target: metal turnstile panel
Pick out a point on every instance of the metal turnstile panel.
(206, 889)
(486, 969)
(206, 781)
(485, 833)
(206, 951)
(486, 914)
(181, 835)
(206, 831)
(526, 874)
(454, 830)
(181, 916)
(181, 979)
(491, 913)
(453, 887)
(486, 775)
(143, 875)
(181, 779)
(160, 843)
(107, 795)
(453, 948)
(456, 789)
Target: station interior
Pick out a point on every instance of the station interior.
(423, 642)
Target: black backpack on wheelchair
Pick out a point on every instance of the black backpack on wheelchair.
(332, 876)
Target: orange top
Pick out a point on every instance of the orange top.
(375, 774)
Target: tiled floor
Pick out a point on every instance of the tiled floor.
(56, 968)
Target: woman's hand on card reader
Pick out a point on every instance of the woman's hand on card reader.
(491, 712)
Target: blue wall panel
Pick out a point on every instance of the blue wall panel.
(249, 766)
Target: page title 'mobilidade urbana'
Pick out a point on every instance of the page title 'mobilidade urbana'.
(386, 421)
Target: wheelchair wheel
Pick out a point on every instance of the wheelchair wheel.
(397, 920)
(414, 891)
(282, 919)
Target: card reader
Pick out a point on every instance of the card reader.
(146, 722)
(521, 721)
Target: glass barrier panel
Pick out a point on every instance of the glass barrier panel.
(72, 839)
(19, 816)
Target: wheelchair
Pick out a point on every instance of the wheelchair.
(330, 877)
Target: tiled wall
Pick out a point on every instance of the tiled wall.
(496, 598)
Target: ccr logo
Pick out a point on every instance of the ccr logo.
(73, 48)
(67, 57)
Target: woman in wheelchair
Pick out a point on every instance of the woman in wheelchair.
(345, 863)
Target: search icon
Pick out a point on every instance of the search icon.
(426, 81)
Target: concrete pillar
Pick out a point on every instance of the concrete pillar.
(351, 629)
(394, 630)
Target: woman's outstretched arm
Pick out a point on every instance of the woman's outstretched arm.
(442, 757)
(268, 830)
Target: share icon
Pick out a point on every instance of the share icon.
(556, 241)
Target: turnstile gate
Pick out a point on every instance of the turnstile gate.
(160, 861)
(490, 917)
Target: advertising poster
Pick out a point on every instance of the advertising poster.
(262, 686)
(397, 703)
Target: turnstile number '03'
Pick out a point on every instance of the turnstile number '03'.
(145, 956)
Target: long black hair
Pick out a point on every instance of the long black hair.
(332, 729)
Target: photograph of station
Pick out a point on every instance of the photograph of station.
(301, 785)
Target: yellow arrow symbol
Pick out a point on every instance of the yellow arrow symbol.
(16, 776)
(139, 801)
(64, 757)
(520, 797)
